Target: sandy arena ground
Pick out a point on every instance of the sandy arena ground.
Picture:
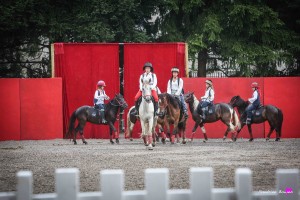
(43, 157)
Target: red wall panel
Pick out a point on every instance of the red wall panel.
(163, 56)
(41, 109)
(10, 108)
(225, 89)
(81, 66)
(284, 93)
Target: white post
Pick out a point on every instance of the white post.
(287, 184)
(112, 184)
(243, 184)
(201, 183)
(157, 184)
(24, 185)
(67, 183)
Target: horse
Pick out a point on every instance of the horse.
(268, 113)
(170, 107)
(160, 124)
(146, 115)
(221, 111)
(85, 114)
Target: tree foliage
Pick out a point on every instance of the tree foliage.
(250, 38)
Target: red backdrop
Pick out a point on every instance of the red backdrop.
(280, 92)
(32, 107)
(81, 66)
(163, 56)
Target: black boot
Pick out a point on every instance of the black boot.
(156, 109)
(136, 104)
(103, 117)
(203, 114)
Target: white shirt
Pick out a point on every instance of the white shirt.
(254, 97)
(176, 89)
(148, 77)
(208, 97)
(101, 97)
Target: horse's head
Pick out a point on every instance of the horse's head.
(120, 101)
(163, 102)
(146, 91)
(236, 101)
(189, 97)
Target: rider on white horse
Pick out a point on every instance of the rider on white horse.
(148, 75)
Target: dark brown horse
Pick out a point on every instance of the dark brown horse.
(222, 111)
(85, 114)
(268, 113)
(170, 107)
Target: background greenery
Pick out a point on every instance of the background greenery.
(237, 37)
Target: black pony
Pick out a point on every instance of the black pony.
(268, 113)
(89, 114)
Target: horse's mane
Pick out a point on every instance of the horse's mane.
(172, 100)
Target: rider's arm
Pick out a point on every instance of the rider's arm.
(169, 87)
(212, 95)
(205, 95)
(96, 97)
(141, 83)
(254, 97)
(153, 86)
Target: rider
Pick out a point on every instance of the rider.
(99, 98)
(254, 102)
(147, 75)
(208, 98)
(175, 87)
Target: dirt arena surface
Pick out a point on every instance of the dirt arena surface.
(43, 157)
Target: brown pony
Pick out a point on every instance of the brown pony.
(268, 113)
(170, 108)
(222, 111)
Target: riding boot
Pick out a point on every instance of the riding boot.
(186, 114)
(136, 104)
(103, 117)
(248, 120)
(156, 113)
(203, 114)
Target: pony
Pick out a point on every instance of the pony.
(221, 111)
(146, 115)
(170, 107)
(85, 114)
(269, 113)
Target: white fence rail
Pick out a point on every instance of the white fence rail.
(157, 187)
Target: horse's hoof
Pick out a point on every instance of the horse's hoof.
(251, 140)
(112, 142)
(75, 142)
(163, 141)
(131, 139)
(84, 142)
(234, 139)
(153, 144)
(117, 141)
(150, 147)
(184, 141)
(277, 139)
(267, 139)
(224, 138)
(204, 141)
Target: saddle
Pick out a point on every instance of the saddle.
(258, 111)
(208, 110)
(180, 106)
(97, 113)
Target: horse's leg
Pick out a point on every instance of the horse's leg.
(82, 137)
(112, 129)
(163, 135)
(270, 132)
(250, 132)
(204, 132)
(75, 133)
(144, 135)
(230, 128)
(149, 133)
(237, 134)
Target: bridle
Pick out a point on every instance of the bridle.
(119, 103)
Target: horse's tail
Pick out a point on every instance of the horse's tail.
(71, 125)
(236, 121)
(280, 121)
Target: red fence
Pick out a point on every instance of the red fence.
(280, 92)
(30, 109)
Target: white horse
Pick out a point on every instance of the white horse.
(146, 114)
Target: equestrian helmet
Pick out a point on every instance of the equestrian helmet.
(209, 82)
(101, 83)
(254, 85)
(175, 69)
(148, 64)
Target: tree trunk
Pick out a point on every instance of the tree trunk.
(202, 60)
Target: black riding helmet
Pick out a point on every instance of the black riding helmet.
(148, 64)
